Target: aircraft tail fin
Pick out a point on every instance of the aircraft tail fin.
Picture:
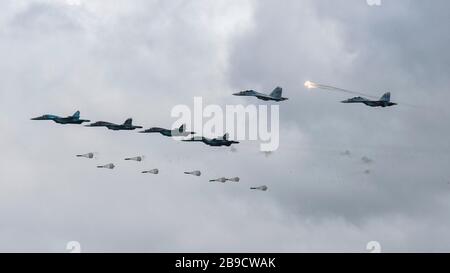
(386, 97)
(128, 122)
(182, 128)
(76, 115)
(277, 92)
(226, 136)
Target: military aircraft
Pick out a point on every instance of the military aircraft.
(276, 95)
(385, 101)
(73, 119)
(127, 125)
(169, 133)
(215, 142)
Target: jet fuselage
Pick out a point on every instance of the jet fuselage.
(167, 132)
(371, 103)
(216, 142)
(261, 96)
(113, 126)
(62, 120)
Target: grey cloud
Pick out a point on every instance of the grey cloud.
(140, 58)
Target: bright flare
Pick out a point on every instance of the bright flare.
(310, 85)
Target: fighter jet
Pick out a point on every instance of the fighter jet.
(274, 96)
(127, 125)
(169, 133)
(73, 119)
(215, 142)
(385, 101)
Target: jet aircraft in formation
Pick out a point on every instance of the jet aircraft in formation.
(127, 125)
(169, 133)
(384, 101)
(73, 119)
(276, 95)
(215, 142)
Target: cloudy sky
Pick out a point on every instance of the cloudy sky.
(117, 59)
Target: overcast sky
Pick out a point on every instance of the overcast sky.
(117, 59)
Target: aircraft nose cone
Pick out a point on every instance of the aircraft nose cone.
(237, 94)
(37, 118)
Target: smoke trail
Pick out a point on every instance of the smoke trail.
(313, 85)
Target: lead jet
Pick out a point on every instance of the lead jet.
(384, 101)
(169, 133)
(73, 119)
(215, 142)
(127, 125)
(276, 95)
